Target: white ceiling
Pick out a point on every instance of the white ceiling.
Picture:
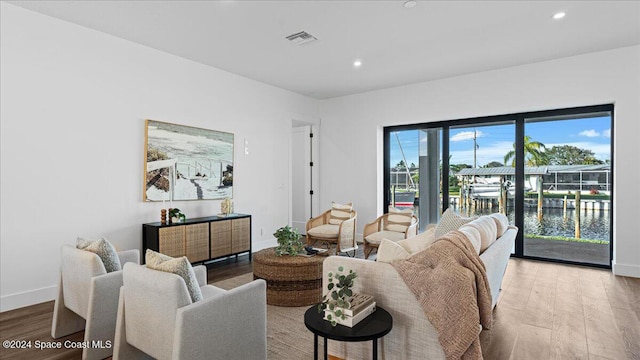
(397, 45)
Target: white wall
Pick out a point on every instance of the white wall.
(73, 104)
(351, 140)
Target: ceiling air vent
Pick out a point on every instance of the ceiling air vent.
(300, 38)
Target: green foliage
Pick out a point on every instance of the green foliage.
(534, 153)
(564, 238)
(176, 213)
(339, 294)
(571, 155)
(493, 164)
(288, 241)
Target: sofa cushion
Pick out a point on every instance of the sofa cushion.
(376, 238)
(389, 251)
(488, 230)
(179, 266)
(326, 231)
(399, 219)
(340, 213)
(450, 221)
(473, 235)
(418, 242)
(502, 223)
(105, 251)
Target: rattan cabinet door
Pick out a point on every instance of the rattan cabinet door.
(197, 236)
(241, 235)
(171, 241)
(220, 238)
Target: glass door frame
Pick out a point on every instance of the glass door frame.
(519, 119)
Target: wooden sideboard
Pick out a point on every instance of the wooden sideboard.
(200, 239)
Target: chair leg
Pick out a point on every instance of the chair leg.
(65, 321)
(367, 250)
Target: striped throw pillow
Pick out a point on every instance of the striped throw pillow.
(450, 221)
(340, 213)
(399, 220)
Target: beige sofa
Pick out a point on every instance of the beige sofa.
(412, 336)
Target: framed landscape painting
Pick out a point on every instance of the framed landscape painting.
(186, 163)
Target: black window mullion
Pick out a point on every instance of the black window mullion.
(445, 168)
(519, 197)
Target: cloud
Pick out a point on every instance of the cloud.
(590, 133)
(607, 133)
(485, 154)
(466, 135)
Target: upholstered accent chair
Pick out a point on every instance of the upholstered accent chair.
(157, 318)
(335, 226)
(395, 225)
(88, 298)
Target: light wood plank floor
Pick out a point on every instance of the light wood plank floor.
(545, 311)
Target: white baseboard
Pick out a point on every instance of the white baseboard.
(27, 298)
(626, 270)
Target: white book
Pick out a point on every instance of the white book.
(358, 303)
(351, 321)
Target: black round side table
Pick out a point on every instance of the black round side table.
(372, 328)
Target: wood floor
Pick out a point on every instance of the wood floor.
(545, 311)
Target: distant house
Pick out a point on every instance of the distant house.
(555, 178)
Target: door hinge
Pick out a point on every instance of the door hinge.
(311, 164)
(310, 135)
(310, 192)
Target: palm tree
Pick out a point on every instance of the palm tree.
(534, 153)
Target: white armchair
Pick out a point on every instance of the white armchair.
(156, 318)
(88, 299)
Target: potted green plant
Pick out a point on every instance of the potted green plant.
(175, 215)
(339, 294)
(288, 241)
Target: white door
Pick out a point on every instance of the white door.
(303, 176)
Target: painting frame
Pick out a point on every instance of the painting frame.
(184, 163)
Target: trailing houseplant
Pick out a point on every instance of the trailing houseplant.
(288, 241)
(338, 297)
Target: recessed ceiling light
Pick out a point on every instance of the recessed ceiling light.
(357, 63)
(558, 16)
(409, 4)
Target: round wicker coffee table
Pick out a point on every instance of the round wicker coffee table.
(291, 280)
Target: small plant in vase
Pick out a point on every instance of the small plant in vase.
(175, 215)
(288, 241)
(339, 295)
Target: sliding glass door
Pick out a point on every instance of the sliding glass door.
(414, 172)
(550, 172)
(567, 208)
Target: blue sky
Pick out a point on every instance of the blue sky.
(496, 140)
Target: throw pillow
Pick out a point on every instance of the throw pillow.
(105, 251)
(450, 221)
(340, 213)
(179, 266)
(399, 220)
(473, 235)
(418, 242)
(487, 229)
(390, 251)
(502, 222)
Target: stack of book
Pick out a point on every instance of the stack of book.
(361, 306)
